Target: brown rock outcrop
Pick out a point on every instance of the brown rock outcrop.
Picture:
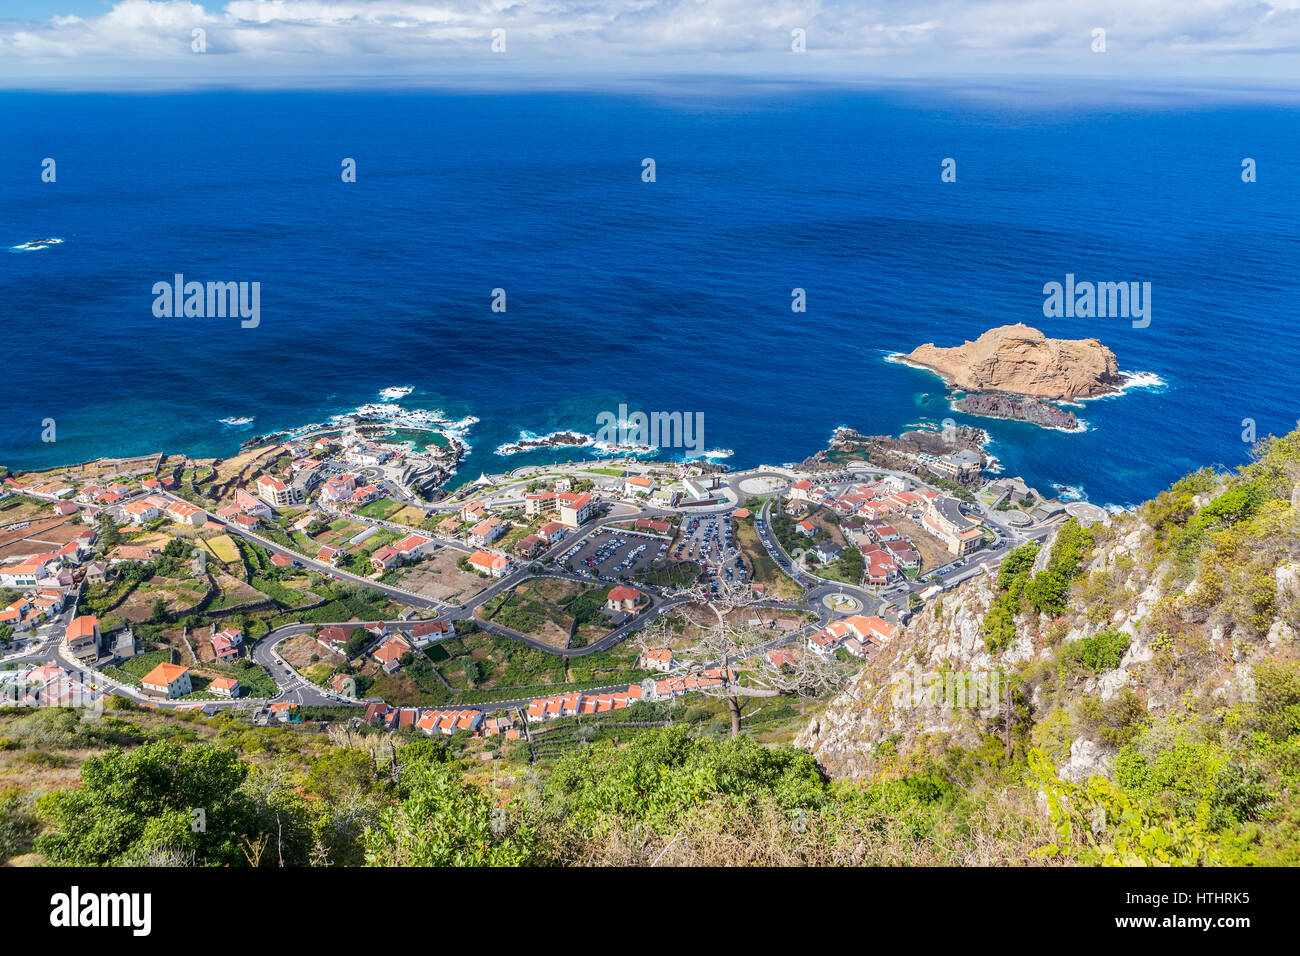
(1021, 360)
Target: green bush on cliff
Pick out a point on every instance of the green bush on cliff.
(1093, 655)
(1048, 590)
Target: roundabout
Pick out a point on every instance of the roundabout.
(840, 603)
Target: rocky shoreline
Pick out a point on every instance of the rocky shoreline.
(899, 454)
(564, 439)
(571, 439)
(1021, 408)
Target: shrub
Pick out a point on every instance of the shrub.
(1102, 652)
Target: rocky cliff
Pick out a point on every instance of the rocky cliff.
(1022, 360)
(1125, 635)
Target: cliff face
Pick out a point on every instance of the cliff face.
(1185, 643)
(880, 703)
(1022, 360)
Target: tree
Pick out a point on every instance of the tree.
(109, 536)
(444, 821)
(16, 824)
(132, 804)
(725, 640)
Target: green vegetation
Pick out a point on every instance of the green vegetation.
(266, 577)
(1048, 589)
(954, 489)
(1000, 621)
(847, 567)
(132, 670)
(1093, 655)
(1021, 591)
(252, 677)
(17, 821)
(1202, 739)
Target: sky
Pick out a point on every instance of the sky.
(153, 43)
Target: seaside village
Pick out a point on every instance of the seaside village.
(308, 581)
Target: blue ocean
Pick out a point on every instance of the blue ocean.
(670, 295)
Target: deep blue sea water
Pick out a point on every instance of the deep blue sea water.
(666, 296)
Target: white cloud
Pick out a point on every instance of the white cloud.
(380, 37)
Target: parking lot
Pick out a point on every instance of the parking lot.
(707, 540)
(945, 571)
(610, 554)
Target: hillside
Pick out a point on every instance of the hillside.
(1155, 653)
(1130, 693)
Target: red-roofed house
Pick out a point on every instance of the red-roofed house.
(657, 659)
(552, 532)
(448, 722)
(339, 487)
(182, 512)
(141, 511)
(575, 508)
(487, 531)
(249, 505)
(224, 687)
(490, 563)
(536, 504)
(225, 645)
(622, 598)
(873, 629)
(423, 632)
(334, 638)
(364, 495)
(29, 572)
(83, 637)
(531, 545)
(275, 492)
(390, 653)
(638, 485)
(167, 680)
(413, 546)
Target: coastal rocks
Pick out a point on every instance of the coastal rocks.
(899, 454)
(571, 439)
(1022, 360)
(257, 441)
(553, 440)
(1018, 408)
